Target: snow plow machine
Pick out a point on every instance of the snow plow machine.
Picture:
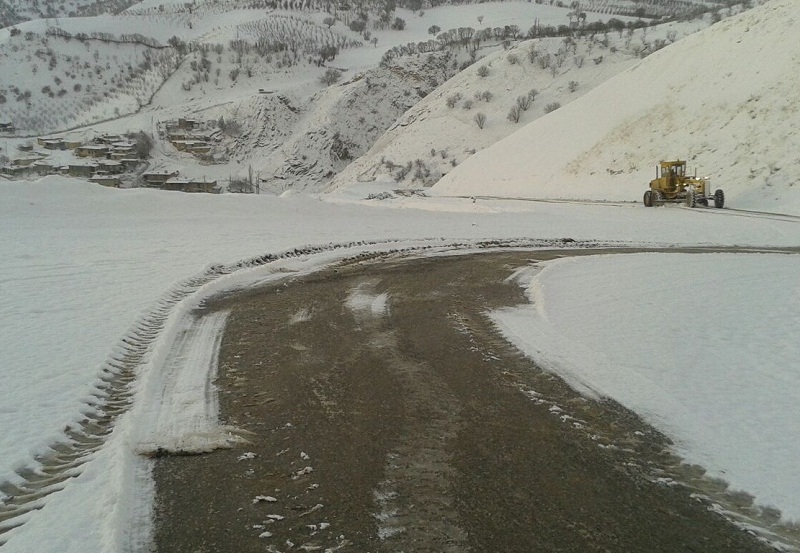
(672, 185)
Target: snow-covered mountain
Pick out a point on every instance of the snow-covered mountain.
(725, 99)
(258, 66)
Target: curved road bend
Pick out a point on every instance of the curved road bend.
(387, 415)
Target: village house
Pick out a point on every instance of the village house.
(83, 170)
(192, 146)
(35, 169)
(123, 145)
(129, 163)
(25, 161)
(111, 167)
(6, 126)
(187, 123)
(175, 135)
(72, 143)
(17, 171)
(158, 178)
(190, 185)
(95, 151)
(108, 139)
(112, 181)
(120, 150)
(44, 167)
(207, 135)
(54, 144)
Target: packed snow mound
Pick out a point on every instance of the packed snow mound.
(724, 98)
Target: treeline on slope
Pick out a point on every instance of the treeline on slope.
(68, 83)
(472, 39)
(11, 14)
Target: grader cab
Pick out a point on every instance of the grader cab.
(673, 185)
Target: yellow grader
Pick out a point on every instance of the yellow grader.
(673, 185)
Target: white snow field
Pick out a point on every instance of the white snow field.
(92, 276)
(702, 346)
(103, 358)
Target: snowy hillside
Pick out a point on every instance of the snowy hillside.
(258, 66)
(725, 99)
(53, 81)
(299, 142)
(474, 109)
(17, 11)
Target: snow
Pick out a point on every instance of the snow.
(88, 269)
(365, 302)
(94, 278)
(182, 413)
(723, 98)
(703, 346)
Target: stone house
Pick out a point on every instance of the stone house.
(83, 170)
(190, 185)
(95, 151)
(112, 181)
(158, 178)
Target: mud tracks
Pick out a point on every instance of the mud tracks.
(387, 415)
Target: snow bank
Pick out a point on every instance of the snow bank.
(702, 346)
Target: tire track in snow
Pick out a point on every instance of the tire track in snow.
(176, 421)
(26, 492)
(113, 395)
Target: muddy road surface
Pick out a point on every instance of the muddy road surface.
(385, 414)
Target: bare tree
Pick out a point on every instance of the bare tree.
(144, 144)
(514, 113)
(533, 53)
(551, 107)
(453, 99)
(480, 119)
(330, 77)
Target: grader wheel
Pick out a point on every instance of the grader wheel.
(719, 198)
(691, 197)
(648, 198)
(658, 198)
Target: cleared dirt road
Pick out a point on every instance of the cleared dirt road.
(387, 415)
